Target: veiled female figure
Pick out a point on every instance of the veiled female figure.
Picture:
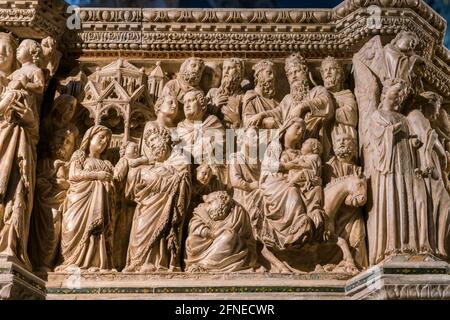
(399, 195)
(284, 214)
(162, 196)
(86, 223)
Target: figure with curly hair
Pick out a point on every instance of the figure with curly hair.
(19, 134)
(160, 192)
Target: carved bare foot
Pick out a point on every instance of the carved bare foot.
(94, 269)
(348, 266)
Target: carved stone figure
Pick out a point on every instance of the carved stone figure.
(315, 106)
(199, 133)
(161, 195)
(288, 216)
(245, 168)
(349, 222)
(346, 112)
(220, 237)
(399, 197)
(50, 55)
(8, 47)
(18, 139)
(262, 97)
(226, 100)
(86, 235)
(52, 183)
(188, 79)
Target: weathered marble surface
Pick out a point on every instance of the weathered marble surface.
(347, 196)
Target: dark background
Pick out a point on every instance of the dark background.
(441, 6)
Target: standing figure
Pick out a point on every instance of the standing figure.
(161, 193)
(346, 112)
(399, 195)
(226, 101)
(52, 184)
(19, 135)
(86, 236)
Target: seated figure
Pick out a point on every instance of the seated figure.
(220, 237)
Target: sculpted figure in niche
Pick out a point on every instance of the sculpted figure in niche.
(349, 222)
(86, 235)
(285, 215)
(261, 99)
(200, 134)
(18, 138)
(315, 106)
(395, 224)
(162, 195)
(220, 237)
(346, 113)
(52, 183)
(226, 101)
(188, 79)
(8, 47)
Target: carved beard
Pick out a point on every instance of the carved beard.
(229, 85)
(267, 87)
(191, 77)
(59, 153)
(299, 90)
(344, 152)
(221, 212)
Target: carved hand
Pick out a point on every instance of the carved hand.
(25, 114)
(254, 121)
(104, 176)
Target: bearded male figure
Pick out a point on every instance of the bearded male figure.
(226, 101)
(261, 99)
(188, 79)
(346, 113)
(349, 222)
(315, 106)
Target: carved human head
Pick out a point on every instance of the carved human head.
(29, 51)
(395, 92)
(344, 145)
(218, 204)
(430, 104)
(62, 144)
(159, 142)
(191, 70)
(406, 41)
(96, 140)
(167, 105)
(204, 173)
(265, 77)
(131, 150)
(48, 45)
(8, 45)
(297, 71)
(332, 74)
(63, 109)
(293, 131)
(232, 74)
(194, 105)
(311, 146)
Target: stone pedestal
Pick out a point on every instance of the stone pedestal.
(397, 278)
(16, 283)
